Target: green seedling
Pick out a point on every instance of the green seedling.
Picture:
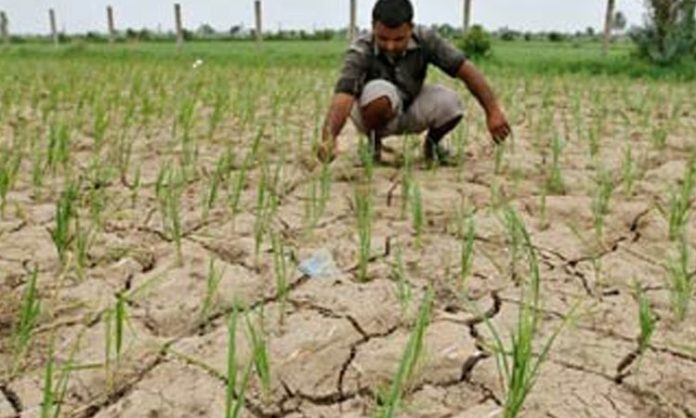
(115, 321)
(628, 169)
(499, 159)
(647, 324)
(519, 364)
(467, 253)
(65, 211)
(58, 146)
(410, 359)
(4, 187)
(83, 242)
(600, 203)
(213, 280)
(220, 108)
(266, 208)
(281, 272)
(515, 231)
(212, 195)
(681, 284)
(100, 125)
(417, 216)
(543, 214)
(173, 195)
(658, 136)
(406, 176)
(593, 133)
(403, 287)
(554, 183)
(28, 319)
(259, 348)
(680, 201)
(135, 189)
(367, 158)
(234, 400)
(237, 186)
(363, 207)
(231, 388)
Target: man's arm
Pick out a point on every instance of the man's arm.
(336, 118)
(479, 88)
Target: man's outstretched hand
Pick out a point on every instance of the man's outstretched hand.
(498, 126)
(326, 151)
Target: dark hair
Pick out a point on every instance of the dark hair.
(393, 13)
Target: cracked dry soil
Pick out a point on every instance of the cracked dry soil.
(339, 341)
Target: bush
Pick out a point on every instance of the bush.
(669, 33)
(476, 42)
(507, 34)
(556, 37)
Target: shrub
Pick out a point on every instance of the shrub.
(669, 33)
(476, 42)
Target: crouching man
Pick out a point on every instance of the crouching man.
(381, 87)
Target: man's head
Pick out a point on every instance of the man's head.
(392, 25)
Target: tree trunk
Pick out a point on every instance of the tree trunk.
(607, 25)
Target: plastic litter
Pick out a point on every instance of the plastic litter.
(320, 264)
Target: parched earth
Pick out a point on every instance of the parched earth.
(334, 343)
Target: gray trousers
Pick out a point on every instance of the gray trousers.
(432, 108)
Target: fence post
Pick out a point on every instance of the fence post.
(3, 28)
(259, 20)
(179, 26)
(110, 21)
(467, 16)
(608, 20)
(352, 29)
(54, 30)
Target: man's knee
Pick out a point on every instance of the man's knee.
(378, 112)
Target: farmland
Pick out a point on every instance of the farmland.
(155, 206)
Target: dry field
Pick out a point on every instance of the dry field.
(154, 216)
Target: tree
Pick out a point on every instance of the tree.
(669, 32)
(476, 42)
(205, 30)
(619, 21)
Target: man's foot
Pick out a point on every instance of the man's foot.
(435, 153)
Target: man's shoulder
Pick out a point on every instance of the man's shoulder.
(424, 34)
(363, 43)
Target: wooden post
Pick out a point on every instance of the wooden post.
(352, 29)
(467, 16)
(607, 25)
(3, 28)
(110, 21)
(54, 30)
(259, 20)
(179, 26)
